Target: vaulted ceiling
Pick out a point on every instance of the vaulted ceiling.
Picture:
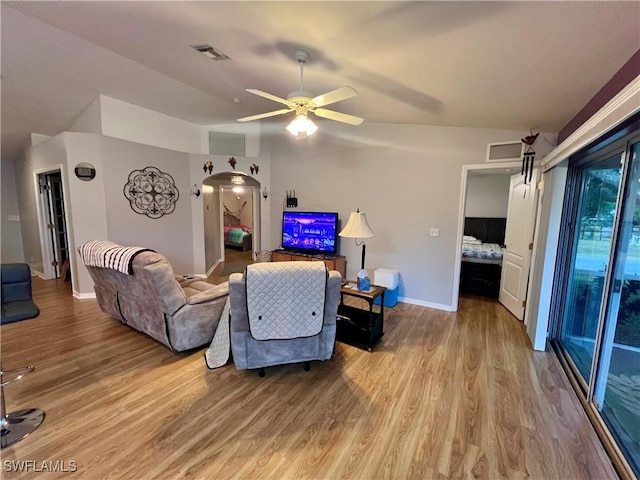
(508, 65)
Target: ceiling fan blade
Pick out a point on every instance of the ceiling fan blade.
(265, 115)
(260, 93)
(334, 96)
(337, 116)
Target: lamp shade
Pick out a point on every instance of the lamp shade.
(357, 227)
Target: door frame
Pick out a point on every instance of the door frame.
(461, 210)
(46, 244)
(255, 217)
(221, 179)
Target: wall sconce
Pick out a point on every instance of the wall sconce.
(265, 193)
(195, 191)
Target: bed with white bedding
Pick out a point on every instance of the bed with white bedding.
(237, 235)
(482, 252)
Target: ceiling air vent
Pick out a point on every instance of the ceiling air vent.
(504, 151)
(210, 52)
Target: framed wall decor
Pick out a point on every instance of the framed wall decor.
(151, 192)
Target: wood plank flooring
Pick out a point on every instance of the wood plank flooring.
(230, 255)
(444, 395)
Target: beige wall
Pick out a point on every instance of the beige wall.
(171, 234)
(86, 205)
(212, 222)
(487, 195)
(90, 119)
(137, 124)
(98, 209)
(48, 154)
(234, 201)
(406, 178)
(11, 244)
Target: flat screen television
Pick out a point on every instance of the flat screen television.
(310, 232)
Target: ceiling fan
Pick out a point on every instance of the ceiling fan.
(302, 104)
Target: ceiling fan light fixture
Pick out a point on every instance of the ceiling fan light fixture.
(301, 126)
(302, 104)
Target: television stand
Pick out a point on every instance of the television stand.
(333, 262)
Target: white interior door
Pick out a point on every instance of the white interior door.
(521, 214)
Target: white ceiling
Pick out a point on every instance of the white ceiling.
(508, 65)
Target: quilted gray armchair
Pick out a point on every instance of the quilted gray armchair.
(283, 312)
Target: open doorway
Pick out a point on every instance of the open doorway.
(52, 224)
(485, 219)
(488, 241)
(231, 223)
(238, 224)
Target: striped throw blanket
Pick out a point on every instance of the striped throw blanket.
(105, 254)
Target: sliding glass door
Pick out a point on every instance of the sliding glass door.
(598, 193)
(617, 386)
(599, 314)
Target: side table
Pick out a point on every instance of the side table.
(356, 326)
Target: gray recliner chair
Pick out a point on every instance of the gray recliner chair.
(283, 312)
(181, 312)
(17, 300)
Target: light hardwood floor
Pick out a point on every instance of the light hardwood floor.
(230, 255)
(444, 395)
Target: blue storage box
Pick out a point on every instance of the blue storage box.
(390, 298)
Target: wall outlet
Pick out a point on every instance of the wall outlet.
(434, 232)
(13, 218)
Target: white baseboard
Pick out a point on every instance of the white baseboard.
(83, 296)
(422, 303)
(36, 273)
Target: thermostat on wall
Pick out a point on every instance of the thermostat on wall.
(85, 171)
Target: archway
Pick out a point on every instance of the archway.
(216, 215)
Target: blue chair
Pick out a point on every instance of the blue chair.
(17, 300)
(17, 304)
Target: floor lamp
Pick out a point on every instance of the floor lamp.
(358, 227)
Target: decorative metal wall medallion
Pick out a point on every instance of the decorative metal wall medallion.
(151, 192)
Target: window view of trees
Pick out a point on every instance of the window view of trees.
(601, 191)
(596, 262)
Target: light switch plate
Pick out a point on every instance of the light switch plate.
(434, 232)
